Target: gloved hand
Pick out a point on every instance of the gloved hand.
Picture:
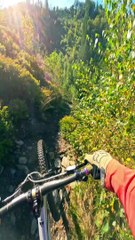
(99, 160)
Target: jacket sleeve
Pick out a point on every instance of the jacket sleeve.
(121, 180)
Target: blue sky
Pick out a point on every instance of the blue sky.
(52, 3)
(61, 3)
(64, 3)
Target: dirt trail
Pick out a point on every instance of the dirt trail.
(19, 224)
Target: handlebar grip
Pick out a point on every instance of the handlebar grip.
(50, 186)
(5, 209)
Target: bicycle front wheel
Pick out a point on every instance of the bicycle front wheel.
(44, 166)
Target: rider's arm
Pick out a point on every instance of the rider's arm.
(121, 180)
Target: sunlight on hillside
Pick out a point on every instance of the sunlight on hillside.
(7, 3)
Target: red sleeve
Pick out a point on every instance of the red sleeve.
(121, 180)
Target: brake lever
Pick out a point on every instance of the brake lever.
(98, 174)
(82, 164)
(95, 172)
(85, 179)
(73, 168)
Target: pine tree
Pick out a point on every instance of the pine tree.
(85, 43)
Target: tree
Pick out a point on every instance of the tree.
(93, 24)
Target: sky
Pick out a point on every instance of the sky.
(65, 3)
(52, 3)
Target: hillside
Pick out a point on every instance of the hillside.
(31, 105)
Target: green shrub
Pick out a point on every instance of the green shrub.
(6, 136)
(18, 111)
(106, 114)
(17, 82)
(68, 125)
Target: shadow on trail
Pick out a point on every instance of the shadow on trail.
(18, 224)
(47, 127)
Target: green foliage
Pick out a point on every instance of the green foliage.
(33, 64)
(28, 32)
(54, 67)
(9, 41)
(94, 23)
(68, 124)
(6, 135)
(110, 220)
(81, 208)
(105, 111)
(17, 82)
(18, 111)
(83, 41)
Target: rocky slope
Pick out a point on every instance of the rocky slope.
(20, 223)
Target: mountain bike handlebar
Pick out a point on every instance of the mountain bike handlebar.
(39, 191)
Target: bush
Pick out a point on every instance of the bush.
(68, 125)
(106, 113)
(17, 82)
(6, 136)
(18, 111)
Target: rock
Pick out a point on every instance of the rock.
(22, 160)
(57, 163)
(23, 168)
(29, 148)
(19, 142)
(65, 162)
(12, 171)
(72, 163)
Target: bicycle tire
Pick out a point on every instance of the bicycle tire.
(44, 167)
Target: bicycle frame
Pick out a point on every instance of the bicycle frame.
(43, 224)
(41, 213)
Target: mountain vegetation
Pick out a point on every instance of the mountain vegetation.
(84, 56)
